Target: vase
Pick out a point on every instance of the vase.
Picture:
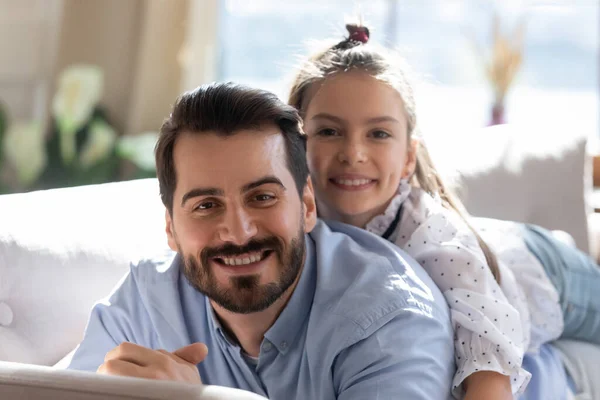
(498, 116)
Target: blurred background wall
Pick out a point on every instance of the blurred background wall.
(138, 55)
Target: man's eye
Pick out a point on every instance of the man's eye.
(327, 132)
(263, 197)
(206, 205)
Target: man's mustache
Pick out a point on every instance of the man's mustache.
(231, 250)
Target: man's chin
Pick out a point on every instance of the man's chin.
(241, 307)
(246, 300)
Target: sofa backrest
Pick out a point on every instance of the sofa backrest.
(60, 251)
(521, 173)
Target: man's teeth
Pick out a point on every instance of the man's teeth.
(242, 260)
(353, 182)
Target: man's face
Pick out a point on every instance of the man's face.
(238, 221)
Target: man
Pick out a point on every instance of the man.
(257, 294)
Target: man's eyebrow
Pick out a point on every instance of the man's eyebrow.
(197, 192)
(263, 181)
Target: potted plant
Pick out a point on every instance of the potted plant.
(501, 64)
(81, 146)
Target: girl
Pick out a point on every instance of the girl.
(370, 170)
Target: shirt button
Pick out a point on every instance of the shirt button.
(267, 346)
(284, 345)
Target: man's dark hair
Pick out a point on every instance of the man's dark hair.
(225, 109)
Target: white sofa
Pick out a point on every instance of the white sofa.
(34, 382)
(61, 250)
(538, 174)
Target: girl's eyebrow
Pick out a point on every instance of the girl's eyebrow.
(370, 121)
(383, 118)
(328, 117)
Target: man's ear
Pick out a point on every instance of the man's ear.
(411, 158)
(170, 230)
(309, 205)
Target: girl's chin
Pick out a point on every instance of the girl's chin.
(355, 212)
(358, 209)
(347, 207)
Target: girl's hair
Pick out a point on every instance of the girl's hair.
(353, 53)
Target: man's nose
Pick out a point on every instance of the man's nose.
(237, 227)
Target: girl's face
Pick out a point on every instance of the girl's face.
(358, 148)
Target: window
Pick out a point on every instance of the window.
(261, 41)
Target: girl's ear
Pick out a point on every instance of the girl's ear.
(411, 158)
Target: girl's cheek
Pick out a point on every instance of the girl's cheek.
(315, 161)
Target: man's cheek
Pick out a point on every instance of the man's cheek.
(194, 237)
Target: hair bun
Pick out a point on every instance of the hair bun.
(358, 33)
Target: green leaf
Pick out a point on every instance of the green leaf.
(79, 91)
(100, 142)
(139, 149)
(24, 150)
(3, 124)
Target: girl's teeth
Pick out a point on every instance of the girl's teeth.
(353, 182)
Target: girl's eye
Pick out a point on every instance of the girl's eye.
(380, 135)
(327, 132)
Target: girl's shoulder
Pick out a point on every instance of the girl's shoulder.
(421, 207)
(425, 217)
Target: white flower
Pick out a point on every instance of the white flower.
(79, 91)
(139, 149)
(24, 148)
(100, 142)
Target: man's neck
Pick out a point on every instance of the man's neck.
(249, 329)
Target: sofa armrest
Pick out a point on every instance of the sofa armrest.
(27, 381)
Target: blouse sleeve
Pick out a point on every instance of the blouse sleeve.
(488, 329)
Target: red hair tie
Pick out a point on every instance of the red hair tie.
(359, 34)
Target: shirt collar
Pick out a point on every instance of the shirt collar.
(380, 223)
(215, 325)
(211, 317)
(289, 324)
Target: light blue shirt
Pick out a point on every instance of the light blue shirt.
(549, 379)
(364, 322)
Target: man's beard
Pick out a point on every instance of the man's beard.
(246, 294)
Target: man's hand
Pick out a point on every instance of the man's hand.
(129, 359)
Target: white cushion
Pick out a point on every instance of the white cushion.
(538, 175)
(60, 251)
